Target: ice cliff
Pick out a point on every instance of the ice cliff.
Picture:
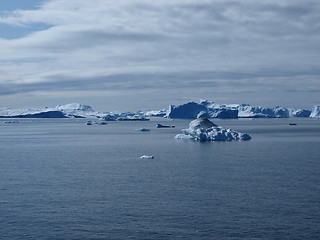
(203, 129)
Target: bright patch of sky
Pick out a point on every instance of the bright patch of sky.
(132, 54)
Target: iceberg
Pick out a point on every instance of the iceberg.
(247, 111)
(101, 122)
(11, 122)
(132, 118)
(160, 113)
(72, 107)
(147, 157)
(31, 113)
(301, 113)
(72, 110)
(204, 109)
(203, 129)
(189, 110)
(315, 112)
(164, 126)
(78, 110)
(142, 130)
(223, 111)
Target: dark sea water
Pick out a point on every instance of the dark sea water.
(62, 179)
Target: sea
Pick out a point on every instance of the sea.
(63, 179)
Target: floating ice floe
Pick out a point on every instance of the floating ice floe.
(11, 122)
(164, 126)
(142, 130)
(133, 118)
(203, 129)
(147, 157)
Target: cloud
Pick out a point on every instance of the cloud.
(181, 44)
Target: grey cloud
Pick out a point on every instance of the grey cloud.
(226, 46)
(164, 80)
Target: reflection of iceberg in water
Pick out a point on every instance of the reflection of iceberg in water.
(203, 129)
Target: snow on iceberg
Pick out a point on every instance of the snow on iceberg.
(203, 129)
(75, 107)
(315, 112)
(78, 110)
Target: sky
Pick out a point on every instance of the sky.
(130, 55)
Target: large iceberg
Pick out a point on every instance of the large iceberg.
(61, 111)
(204, 109)
(203, 129)
(247, 111)
(72, 107)
(315, 112)
(78, 110)
(189, 110)
(300, 113)
(31, 113)
(209, 109)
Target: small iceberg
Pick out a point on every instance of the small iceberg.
(164, 126)
(202, 129)
(147, 157)
(142, 130)
(89, 122)
(132, 118)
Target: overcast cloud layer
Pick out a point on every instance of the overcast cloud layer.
(130, 54)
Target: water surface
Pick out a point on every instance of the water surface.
(62, 179)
